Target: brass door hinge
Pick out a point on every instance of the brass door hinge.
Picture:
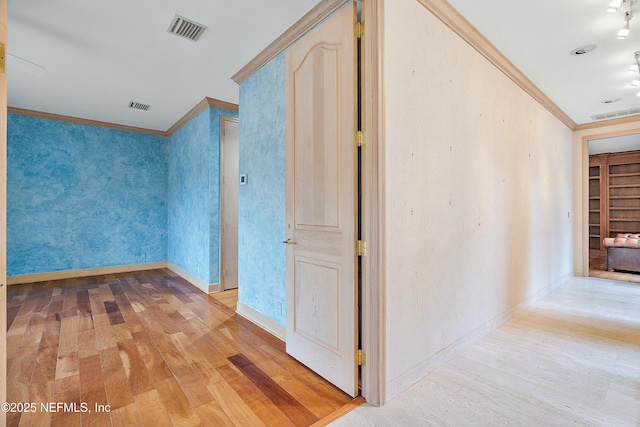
(361, 357)
(361, 248)
(3, 55)
(359, 29)
(359, 138)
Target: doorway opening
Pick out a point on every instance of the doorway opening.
(229, 182)
(613, 200)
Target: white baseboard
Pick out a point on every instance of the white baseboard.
(99, 271)
(421, 370)
(85, 272)
(198, 283)
(261, 320)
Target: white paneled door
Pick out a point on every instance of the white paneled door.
(322, 200)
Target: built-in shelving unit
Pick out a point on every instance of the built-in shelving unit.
(594, 205)
(614, 196)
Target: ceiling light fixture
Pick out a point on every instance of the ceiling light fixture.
(624, 32)
(636, 66)
(614, 6)
(628, 14)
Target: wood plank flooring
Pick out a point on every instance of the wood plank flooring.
(615, 275)
(597, 260)
(151, 350)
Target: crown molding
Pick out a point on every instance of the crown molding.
(297, 30)
(607, 123)
(200, 107)
(76, 120)
(458, 24)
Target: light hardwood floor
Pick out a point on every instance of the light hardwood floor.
(572, 359)
(156, 350)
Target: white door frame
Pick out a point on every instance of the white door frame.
(223, 120)
(373, 380)
(581, 243)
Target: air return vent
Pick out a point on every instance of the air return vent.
(616, 114)
(139, 106)
(183, 27)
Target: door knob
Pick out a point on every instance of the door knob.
(288, 242)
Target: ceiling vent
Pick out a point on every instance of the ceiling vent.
(139, 106)
(183, 27)
(616, 114)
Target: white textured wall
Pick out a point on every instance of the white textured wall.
(479, 189)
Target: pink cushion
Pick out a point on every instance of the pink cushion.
(626, 240)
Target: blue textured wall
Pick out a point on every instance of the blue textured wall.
(188, 213)
(262, 204)
(81, 196)
(194, 196)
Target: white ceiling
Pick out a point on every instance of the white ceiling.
(97, 56)
(100, 55)
(538, 36)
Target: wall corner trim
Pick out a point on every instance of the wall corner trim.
(286, 39)
(463, 28)
(198, 283)
(85, 272)
(274, 328)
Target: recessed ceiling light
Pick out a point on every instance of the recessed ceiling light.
(610, 101)
(583, 49)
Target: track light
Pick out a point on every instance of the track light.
(626, 6)
(614, 6)
(624, 32)
(636, 82)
